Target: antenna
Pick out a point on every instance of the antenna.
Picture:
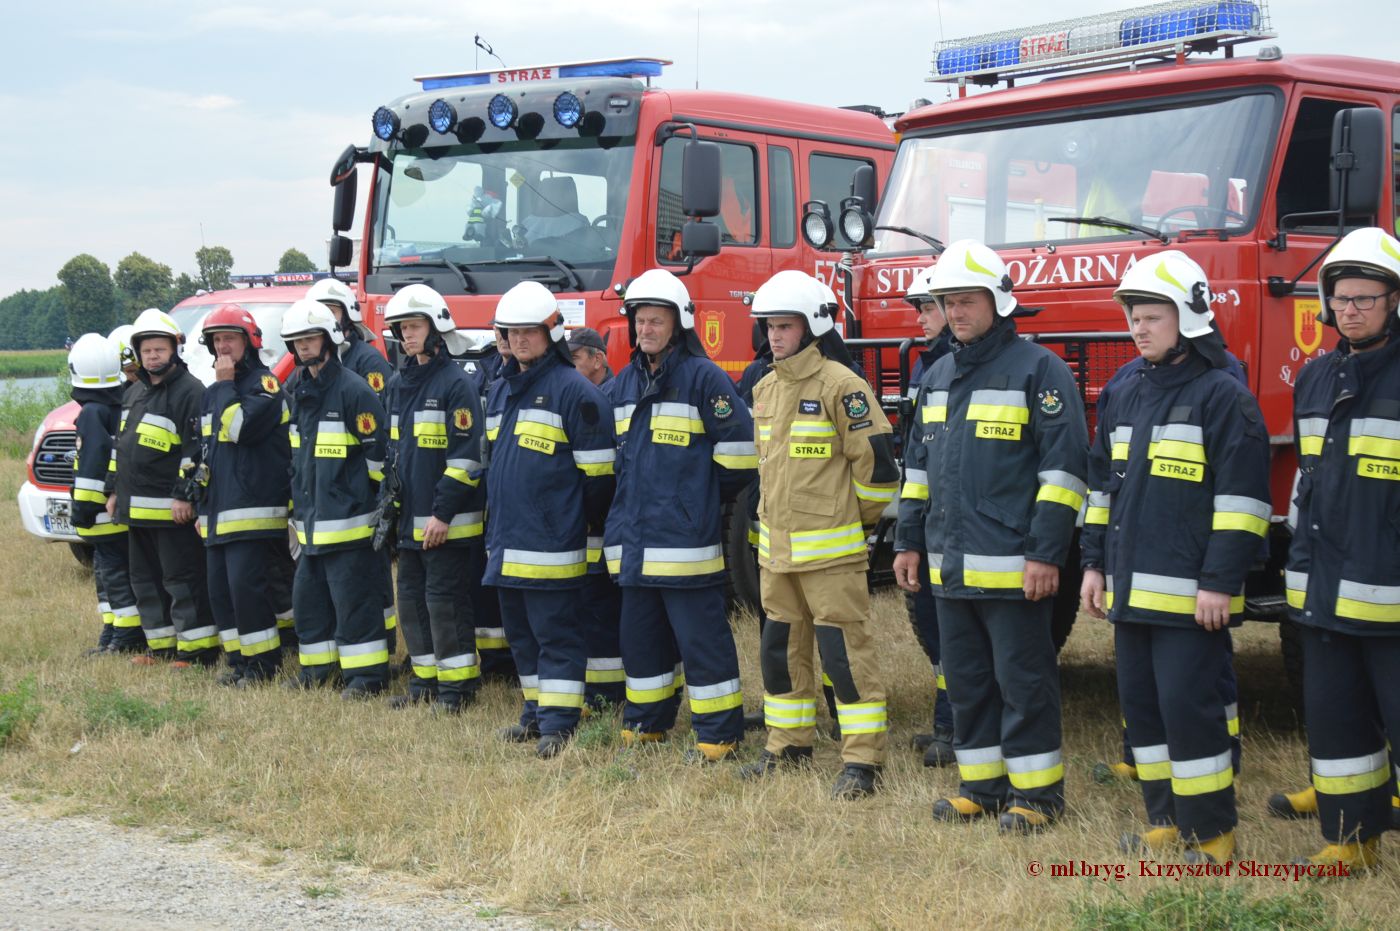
(485, 47)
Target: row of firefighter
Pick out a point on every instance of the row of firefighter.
(561, 525)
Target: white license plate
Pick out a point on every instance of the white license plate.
(57, 507)
(58, 523)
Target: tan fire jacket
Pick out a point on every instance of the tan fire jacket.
(826, 466)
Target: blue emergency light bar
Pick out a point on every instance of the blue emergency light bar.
(605, 68)
(1144, 32)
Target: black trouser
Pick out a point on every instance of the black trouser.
(999, 660)
(549, 652)
(1228, 687)
(391, 614)
(492, 647)
(437, 615)
(339, 616)
(600, 613)
(1351, 699)
(1168, 687)
(923, 617)
(168, 579)
(242, 605)
(121, 621)
(281, 573)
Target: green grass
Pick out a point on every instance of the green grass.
(320, 892)
(22, 410)
(18, 710)
(33, 363)
(1210, 907)
(113, 709)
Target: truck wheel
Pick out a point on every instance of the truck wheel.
(1290, 644)
(82, 553)
(741, 579)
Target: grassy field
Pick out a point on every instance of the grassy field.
(32, 363)
(632, 839)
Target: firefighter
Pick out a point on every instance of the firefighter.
(1178, 511)
(338, 444)
(993, 487)
(1344, 562)
(121, 339)
(243, 509)
(550, 481)
(94, 370)
(826, 472)
(937, 746)
(152, 495)
(685, 445)
(492, 647)
(358, 355)
(601, 607)
(435, 436)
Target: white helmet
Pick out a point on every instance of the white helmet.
(335, 291)
(1174, 278)
(658, 286)
(530, 304)
(419, 300)
(921, 288)
(155, 322)
(305, 317)
(121, 338)
(791, 292)
(94, 362)
(967, 265)
(1364, 253)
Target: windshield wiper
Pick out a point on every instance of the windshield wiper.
(935, 244)
(1112, 224)
(569, 273)
(457, 269)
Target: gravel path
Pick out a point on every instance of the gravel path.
(83, 873)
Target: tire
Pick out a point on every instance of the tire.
(741, 579)
(82, 553)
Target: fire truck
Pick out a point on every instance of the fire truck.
(583, 175)
(1132, 143)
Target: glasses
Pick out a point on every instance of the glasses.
(1360, 302)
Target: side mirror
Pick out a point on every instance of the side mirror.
(344, 165)
(392, 350)
(1358, 155)
(699, 240)
(700, 179)
(343, 210)
(342, 249)
(863, 186)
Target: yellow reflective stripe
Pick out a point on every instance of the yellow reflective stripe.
(765, 432)
(1120, 451)
(260, 643)
(1095, 515)
(914, 491)
(679, 424)
(807, 545)
(1384, 447)
(1035, 771)
(428, 428)
(100, 530)
(1363, 602)
(789, 713)
(1060, 495)
(872, 493)
(935, 413)
(1174, 604)
(870, 717)
(226, 421)
(1198, 777)
(601, 468)
(360, 655)
(1310, 445)
(702, 567)
(1177, 449)
(459, 475)
(543, 431)
(711, 705)
(1000, 413)
(1234, 520)
(159, 436)
(993, 571)
(87, 494)
(811, 428)
(324, 537)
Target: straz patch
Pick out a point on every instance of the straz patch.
(269, 384)
(1172, 468)
(722, 406)
(809, 450)
(462, 418)
(365, 423)
(330, 451)
(432, 441)
(856, 405)
(809, 407)
(376, 380)
(670, 437)
(538, 444)
(1379, 468)
(1051, 404)
(990, 430)
(154, 442)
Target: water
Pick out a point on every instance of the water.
(31, 385)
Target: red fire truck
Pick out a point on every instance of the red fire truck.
(583, 175)
(1253, 166)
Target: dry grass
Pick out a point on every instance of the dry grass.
(634, 840)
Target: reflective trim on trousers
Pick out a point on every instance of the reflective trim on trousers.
(317, 654)
(722, 696)
(980, 763)
(458, 668)
(561, 693)
(1036, 770)
(789, 713)
(1207, 774)
(1351, 775)
(870, 717)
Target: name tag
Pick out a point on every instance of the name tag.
(1186, 471)
(330, 451)
(1379, 468)
(670, 437)
(810, 450)
(154, 442)
(990, 430)
(432, 442)
(536, 443)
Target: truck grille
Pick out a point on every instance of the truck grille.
(53, 462)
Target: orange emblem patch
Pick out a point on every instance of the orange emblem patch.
(1307, 329)
(365, 423)
(376, 380)
(462, 418)
(269, 384)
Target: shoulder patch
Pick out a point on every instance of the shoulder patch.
(376, 380)
(809, 407)
(462, 418)
(722, 405)
(589, 412)
(365, 423)
(856, 405)
(270, 385)
(1051, 404)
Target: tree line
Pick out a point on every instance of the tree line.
(91, 298)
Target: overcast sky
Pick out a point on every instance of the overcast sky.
(131, 125)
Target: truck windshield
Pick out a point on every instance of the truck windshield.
(1182, 166)
(490, 213)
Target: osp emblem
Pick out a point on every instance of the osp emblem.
(1307, 330)
(711, 329)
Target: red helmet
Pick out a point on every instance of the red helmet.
(231, 317)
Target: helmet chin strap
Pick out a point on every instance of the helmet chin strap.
(321, 358)
(1391, 329)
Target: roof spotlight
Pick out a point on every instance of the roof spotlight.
(568, 110)
(502, 111)
(442, 116)
(386, 124)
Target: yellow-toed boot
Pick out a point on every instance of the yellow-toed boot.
(1155, 840)
(1294, 805)
(1354, 858)
(1216, 850)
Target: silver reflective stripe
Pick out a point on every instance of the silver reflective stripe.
(537, 558)
(594, 543)
(491, 633)
(594, 456)
(682, 554)
(235, 424)
(1164, 584)
(718, 690)
(605, 663)
(936, 399)
(331, 426)
(1205, 766)
(1121, 434)
(465, 519)
(250, 514)
(563, 686)
(935, 560)
(1033, 762)
(529, 682)
(298, 526)
(1098, 499)
(311, 649)
(261, 636)
(424, 659)
(186, 463)
(206, 424)
(1157, 753)
(736, 449)
(466, 465)
(978, 756)
(1244, 505)
(1298, 581)
(349, 523)
(1063, 480)
(493, 422)
(1376, 426)
(229, 636)
(612, 553)
(160, 504)
(538, 416)
(430, 417)
(89, 484)
(998, 397)
(624, 413)
(198, 633)
(1312, 426)
(651, 682)
(1232, 712)
(362, 649)
(916, 476)
(1181, 432)
(675, 409)
(165, 423)
(1372, 594)
(159, 633)
(460, 661)
(993, 563)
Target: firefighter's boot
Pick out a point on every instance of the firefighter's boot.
(939, 751)
(768, 762)
(519, 733)
(960, 808)
(1216, 850)
(1021, 820)
(1294, 805)
(1356, 858)
(702, 754)
(1155, 840)
(857, 780)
